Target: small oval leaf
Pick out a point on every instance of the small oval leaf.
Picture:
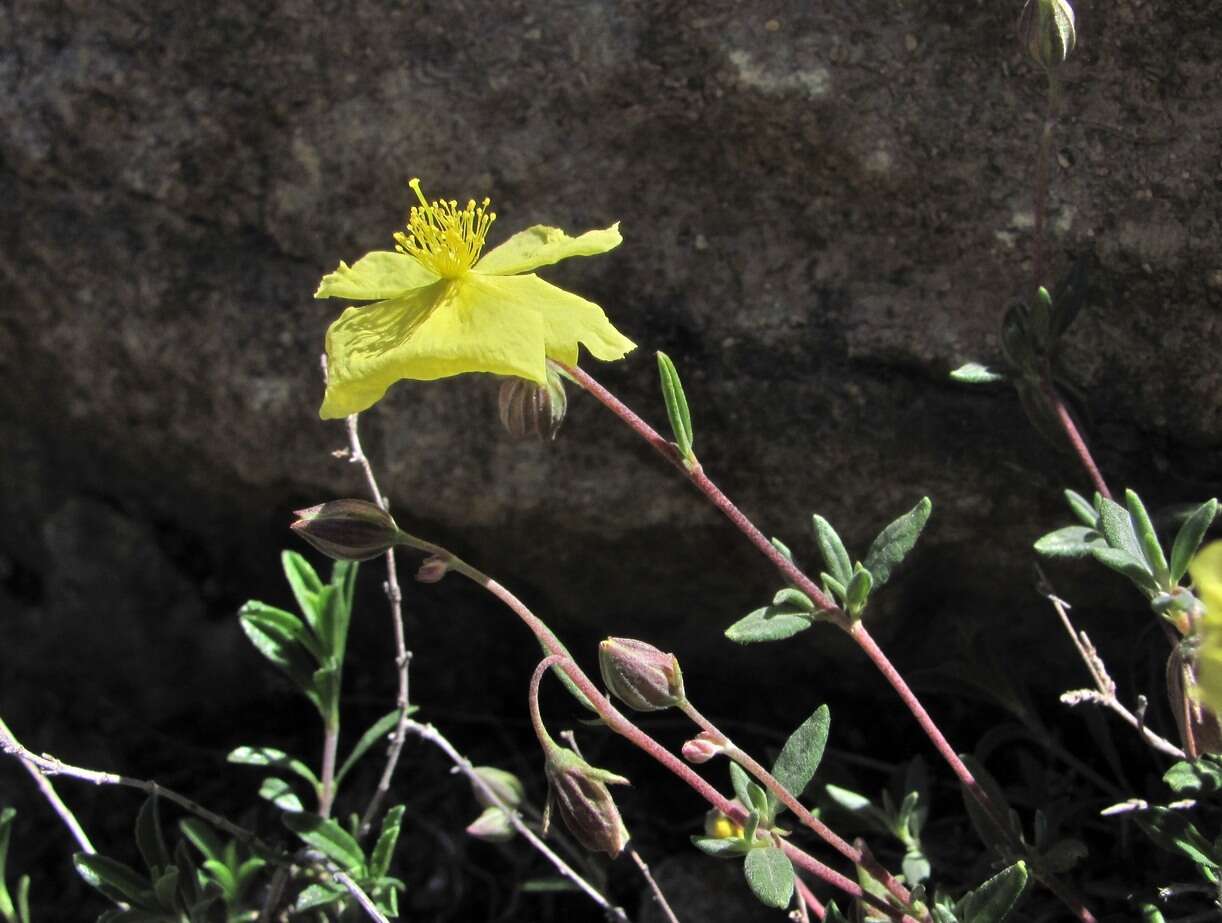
(770, 875)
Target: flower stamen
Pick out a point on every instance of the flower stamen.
(443, 237)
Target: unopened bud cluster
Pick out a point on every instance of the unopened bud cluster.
(578, 792)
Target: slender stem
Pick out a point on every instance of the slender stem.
(536, 719)
(359, 895)
(825, 833)
(830, 612)
(432, 735)
(621, 725)
(403, 657)
(48, 792)
(807, 896)
(1075, 439)
(653, 886)
(326, 780)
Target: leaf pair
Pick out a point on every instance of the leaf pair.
(342, 848)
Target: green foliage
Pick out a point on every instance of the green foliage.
(14, 909)
(973, 373)
(676, 407)
(771, 623)
(801, 755)
(769, 873)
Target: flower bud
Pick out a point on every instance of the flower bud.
(505, 785)
(493, 826)
(431, 570)
(1046, 31)
(640, 675)
(579, 793)
(528, 409)
(347, 530)
(702, 748)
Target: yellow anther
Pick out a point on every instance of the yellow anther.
(443, 237)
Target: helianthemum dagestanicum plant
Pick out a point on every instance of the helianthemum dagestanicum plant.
(440, 308)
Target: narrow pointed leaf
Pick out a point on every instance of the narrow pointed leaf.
(114, 879)
(279, 641)
(304, 582)
(149, 838)
(1189, 538)
(1082, 508)
(833, 587)
(676, 405)
(782, 548)
(770, 875)
(1117, 528)
(202, 836)
(1070, 542)
(281, 794)
(376, 734)
(1151, 548)
(329, 838)
(315, 896)
(741, 783)
(1124, 563)
(993, 900)
(165, 888)
(720, 847)
(802, 753)
(789, 598)
(379, 862)
(895, 541)
(768, 624)
(857, 593)
(834, 555)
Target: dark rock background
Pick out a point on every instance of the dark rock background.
(826, 207)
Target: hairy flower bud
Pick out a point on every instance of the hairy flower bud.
(579, 793)
(492, 826)
(702, 748)
(640, 675)
(347, 530)
(1046, 31)
(431, 569)
(505, 785)
(529, 409)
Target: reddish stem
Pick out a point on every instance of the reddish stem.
(831, 611)
(1065, 418)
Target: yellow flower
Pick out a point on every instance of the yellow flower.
(441, 310)
(1206, 571)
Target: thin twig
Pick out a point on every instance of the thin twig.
(653, 885)
(402, 656)
(807, 900)
(358, 894)
(326, 778)
(462, 764)
(49, 793)
(1106, 695)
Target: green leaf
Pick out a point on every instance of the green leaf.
(304, 582)
(915, 866)
(1204, 777)
(333, 619)
(782, 548)
(315, 896)
(1070, 542)
(802, 753)
(1148, 538)
(1151, 914)
(676, 406)
(329, 838)
(832, 549)
(278, 641)
(1071, 291)
(789, 598)
(6, 825)
(1117, 528)
(23, 899)
(993, 900)
(895, 541)
(202, 836)
(1175, 833)
(982, 820)
(741, 783)
(973, 373)
(833, 914)
(1124, 563)
(770, 875)
(377, 732)
(114, 879)
(1083, 509)
(149, 838)
(832, 587)
(187, 873)
(768, 624)
(281, 794)
(565, 680)
(720, 847)
(857, 593)
(860, 805)
(165, 888)
(1189, 538)
(387, 838)
(222, 876)
(326, 687)
(277, 759)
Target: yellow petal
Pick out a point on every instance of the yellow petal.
(447, 328)
(1206, 571)
(376, 276)
(567, 318)
(542, 246)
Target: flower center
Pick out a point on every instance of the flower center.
(443, 237)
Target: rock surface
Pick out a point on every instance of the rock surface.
(826, 207)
